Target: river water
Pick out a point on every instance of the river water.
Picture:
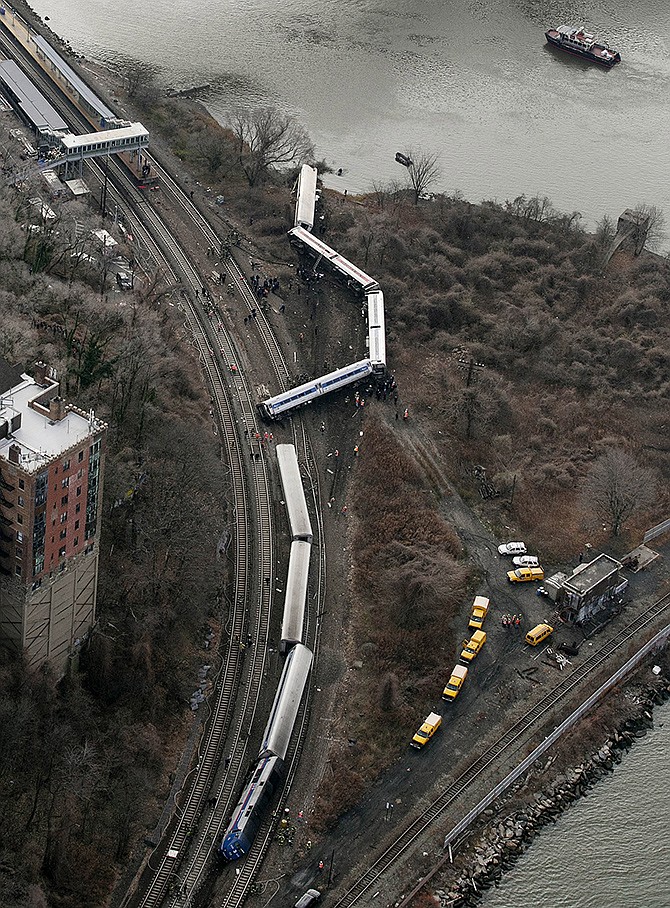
(609, 849)
(470, 80)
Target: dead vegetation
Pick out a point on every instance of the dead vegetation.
(409, 581)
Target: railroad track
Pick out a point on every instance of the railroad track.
(250, 496)
(421, 824)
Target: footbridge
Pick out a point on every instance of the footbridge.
(130, 139)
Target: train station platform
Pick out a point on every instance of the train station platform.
(31, 103)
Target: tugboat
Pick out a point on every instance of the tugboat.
(576, 41)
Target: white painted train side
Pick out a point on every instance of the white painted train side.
(292, 685)
(296, 595)
(307, 242)
(294, 495)
(306, 197)
(376, 330)
(282, 404)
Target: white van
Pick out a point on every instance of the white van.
(311, 897)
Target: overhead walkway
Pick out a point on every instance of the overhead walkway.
(129, 140)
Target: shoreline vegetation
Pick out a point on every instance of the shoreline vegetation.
(511, 824)
(519, 355)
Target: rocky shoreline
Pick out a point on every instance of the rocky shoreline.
(507, 838)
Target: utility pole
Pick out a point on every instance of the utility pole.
(103, 203)
(472, 364)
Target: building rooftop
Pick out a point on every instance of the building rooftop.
(40, 437)
(586, 576)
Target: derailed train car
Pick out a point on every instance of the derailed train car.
(250, 810)
(296, 595)
(294, 495)
(267, 772)
(283, 404)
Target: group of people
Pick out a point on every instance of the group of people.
(511, 620)
(263, 290)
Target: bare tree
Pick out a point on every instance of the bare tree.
(617, 487)
(650, 227)
(422, 172)
(139, 79)
(266, 138)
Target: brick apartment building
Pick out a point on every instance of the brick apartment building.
(51, 472)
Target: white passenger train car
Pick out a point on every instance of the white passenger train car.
(282, 404)
(376, 330)
(296, 595)
(292, 686)
(321, 251)
(306, 193)
(294, 494)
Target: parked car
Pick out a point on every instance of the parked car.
(309, 898)
(526, 561)
(524, 574)
(512, 548)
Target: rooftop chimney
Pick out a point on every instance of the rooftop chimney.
(56, 409)
(41, 373)
(14, 453)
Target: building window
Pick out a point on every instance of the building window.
(63, 501)
(88, 549)
(80, 474)
(22, 483)
(19, 537)
(66, 465)
(61, 552)
(81, 456)
(20, 501)
(63, 517)
(37, 584)
(76, 524)
(78, 491)
(76, 541)
(19, 519)
(41, 489)
(19, 551)
(17, 570)
(63, 533)
(77, 509)
(66, 482)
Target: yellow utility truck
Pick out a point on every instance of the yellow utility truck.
(480, 608)
(458, 676)
(427, 730)
(524, 574)
(473, 646)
